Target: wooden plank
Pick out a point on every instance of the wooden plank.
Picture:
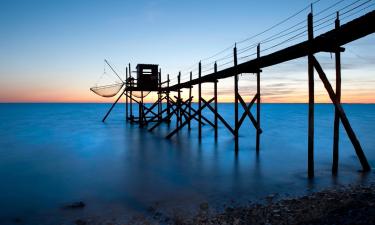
(351, 31)
(345, 122)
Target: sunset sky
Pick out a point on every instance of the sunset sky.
(54, 51)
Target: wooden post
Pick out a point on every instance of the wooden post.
(258, 103)
(140, 115)
(311, 99)
(215, 96)
(179, 111)
(113, 105)
(199, 101)
(168, 102)
(126, 97)
(336, 124)
(191, 78)
(159, 97)
(345, 122)
(236, 128)
(131, 93)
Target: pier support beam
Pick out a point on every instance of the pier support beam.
(215, 96)
(126, 97)
(336, 125)
(191, 78)
(311, 100)
(179, 112)
(200, 101)
(258, 104)
(236, 124)
(168, 102)
(345, 122)
(131, 94)
(160, 104)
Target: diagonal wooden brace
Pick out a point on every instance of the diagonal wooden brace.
(186, 104)
(113, 105)
(167, 118)
(203, 117)
(248, 113)
(145, 107)
(149, 110)
(220, 117)
(187, 121)
(345, 122)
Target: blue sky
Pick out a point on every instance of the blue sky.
(54, 50)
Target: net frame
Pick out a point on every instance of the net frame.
(107, 91)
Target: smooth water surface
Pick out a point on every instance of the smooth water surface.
(54, 154)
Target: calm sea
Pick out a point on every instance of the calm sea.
(55, 154)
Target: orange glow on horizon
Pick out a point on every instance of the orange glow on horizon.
(365, 98)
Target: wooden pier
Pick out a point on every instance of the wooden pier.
(331, 41)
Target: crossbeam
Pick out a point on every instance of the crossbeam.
(344, 120)
(187, 121)
(248, 112)
(219, 116)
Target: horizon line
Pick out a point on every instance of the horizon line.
(225, 102)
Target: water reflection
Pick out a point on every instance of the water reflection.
(53, 154)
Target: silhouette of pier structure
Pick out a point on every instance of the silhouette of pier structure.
(170, 105)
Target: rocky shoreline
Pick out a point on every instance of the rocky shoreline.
(340, 205)
(345, 205)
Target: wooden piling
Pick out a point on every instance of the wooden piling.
(336, 124)
(200, 101)
(258, 103)
(168, 101)
(160, 117)
(131, 93)
(126, 97)
(215, 96)
(140, 114)
(191, 78)
(179, 112)
(311, 99)
(345, 122)
(236, 124)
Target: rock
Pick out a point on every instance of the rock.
(80, 222)
(204, 206)
(75, 205)
(17, 220)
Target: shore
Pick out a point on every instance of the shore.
(352, 204)
(343, 205)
